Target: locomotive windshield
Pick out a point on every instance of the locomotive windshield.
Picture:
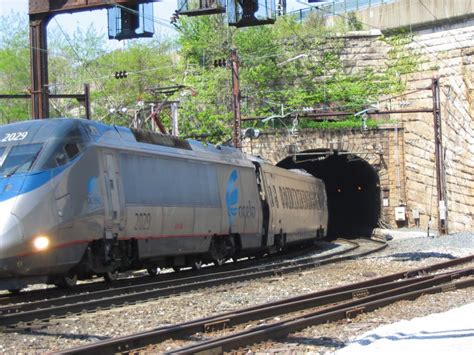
(39, 145)
(18, 158)
(64, 149)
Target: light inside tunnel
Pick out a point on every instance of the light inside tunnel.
(352, 187)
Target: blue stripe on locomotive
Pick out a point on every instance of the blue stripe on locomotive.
(20, 184)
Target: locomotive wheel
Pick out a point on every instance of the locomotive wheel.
(110, 276)
(153, 271)
(220, 250)
(197, 264)
(219, 262)
(67, 281)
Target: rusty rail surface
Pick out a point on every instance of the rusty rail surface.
(358, 297)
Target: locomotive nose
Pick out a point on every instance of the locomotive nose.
(11, 235)
(10, 232)
(9, 189)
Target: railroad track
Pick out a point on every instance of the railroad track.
(240, 329)
(136, 278)
(21, 315)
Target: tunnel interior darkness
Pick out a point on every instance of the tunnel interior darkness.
(352, 187)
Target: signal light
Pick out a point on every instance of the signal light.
(220, 62)
(120, 74)
(174, 18)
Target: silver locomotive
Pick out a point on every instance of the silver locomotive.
(79, 198)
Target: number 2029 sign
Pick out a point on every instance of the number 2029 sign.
(15, 136)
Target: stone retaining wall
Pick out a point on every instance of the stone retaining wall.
(407, 169)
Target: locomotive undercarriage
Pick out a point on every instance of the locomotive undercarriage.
(107, 257)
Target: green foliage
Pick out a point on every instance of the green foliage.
(353, 22)
(352, 123)
(83, 57)
(288, 66)
(14, 67)
(148, 66)
(283, 68)
(401, 61)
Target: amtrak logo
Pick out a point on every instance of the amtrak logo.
(232, 196)
(94, 199)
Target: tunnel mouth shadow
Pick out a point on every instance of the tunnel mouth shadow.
(352, 188)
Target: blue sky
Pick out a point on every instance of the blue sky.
(70, 22)
(83, 20)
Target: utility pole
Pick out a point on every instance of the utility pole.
(234, 61)
(439, 157)
(40, 13)
(39, 65)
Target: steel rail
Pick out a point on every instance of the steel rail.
(35, 295)
(341, 293)
(343, 311)
(43, 310)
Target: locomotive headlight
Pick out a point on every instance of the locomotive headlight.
(41, 243)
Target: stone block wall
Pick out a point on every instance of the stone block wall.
(403, 153)
(449, 56)
(382, 148)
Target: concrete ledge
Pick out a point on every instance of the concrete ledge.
(416, 14)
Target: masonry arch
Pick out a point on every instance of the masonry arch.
(352, 186)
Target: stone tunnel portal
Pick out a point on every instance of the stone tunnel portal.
(352, 187)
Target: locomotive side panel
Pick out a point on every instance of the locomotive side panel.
(79, 206)
(241, 204)
(173, 204)
(294, 203)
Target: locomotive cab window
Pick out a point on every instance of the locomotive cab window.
(19, 158)
(2, 150)
(64, 150)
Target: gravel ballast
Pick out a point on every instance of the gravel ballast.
(407, 250)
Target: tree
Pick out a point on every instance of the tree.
(14, 67)
(284, 67)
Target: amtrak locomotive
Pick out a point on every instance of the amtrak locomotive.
(79, 198)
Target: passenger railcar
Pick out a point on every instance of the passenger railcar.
(79, 198)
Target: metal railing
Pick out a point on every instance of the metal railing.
(338, 7)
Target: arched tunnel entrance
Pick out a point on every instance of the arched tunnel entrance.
(352, 186)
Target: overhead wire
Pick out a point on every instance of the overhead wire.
(247, 56)
(244, 56)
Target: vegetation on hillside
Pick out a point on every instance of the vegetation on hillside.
(283, 68)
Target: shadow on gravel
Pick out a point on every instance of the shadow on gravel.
(417, 256)
(321, 341)
(326, 246)
(38, 332)
(446, 334)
